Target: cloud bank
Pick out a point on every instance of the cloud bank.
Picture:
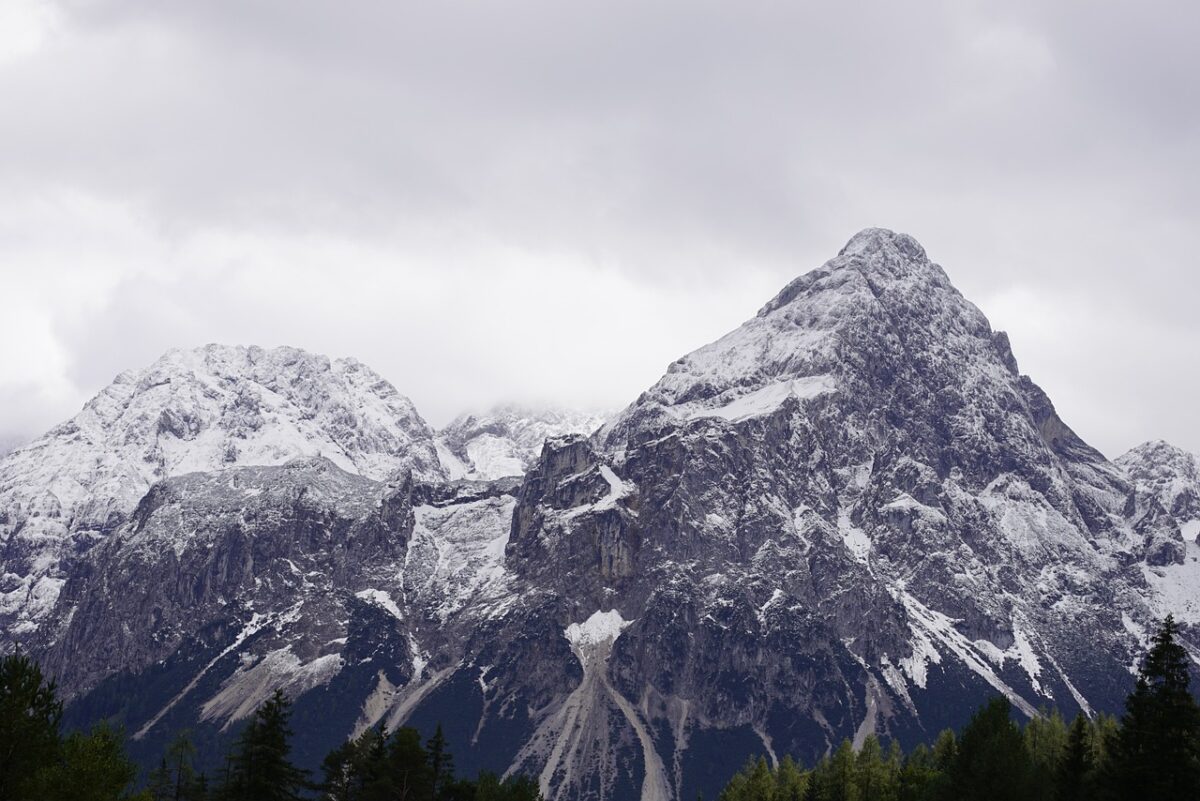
(551, 201)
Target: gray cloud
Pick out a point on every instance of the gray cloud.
(552, 201)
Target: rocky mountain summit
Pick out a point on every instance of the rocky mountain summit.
(1169, 476)
(851, 515)
(191, 411)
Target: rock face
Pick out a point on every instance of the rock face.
(506, 440)
(851, 515)
(1168, 503)
(200, 410)
(1169, 476)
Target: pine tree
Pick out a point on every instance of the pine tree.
(1156, 756)
(895, 764)
(259, 768)
(992, 763)
(357, 769)
(91, 767)
(338, 771)
(818, 778)
(1102, 736)
(159, 783)
(919, 777)
(760, 783)
(441, 763)
(945, 750)
(183, 781)
(791, 782)
(30, 715)
(1045, 738)
(872, 775)
(841, 782)
(1073, 778)
(408, 766)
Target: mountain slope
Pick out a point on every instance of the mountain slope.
(851, 515)
(506, 440)
(1168, 492)
(200, 410)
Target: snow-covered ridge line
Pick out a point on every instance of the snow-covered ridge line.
(201, 410)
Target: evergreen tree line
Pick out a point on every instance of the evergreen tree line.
(39, 763)
(1151, 754)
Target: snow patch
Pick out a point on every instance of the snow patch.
(775, 598)
(493, 457)
(247, 689)
(454, 467)
(601, 627)
(456, 557)
(941, 628)
(856, 540)
(381, 599)
(617, 489)
(1174, 587)
(762, 401)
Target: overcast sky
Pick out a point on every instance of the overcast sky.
(550, 201)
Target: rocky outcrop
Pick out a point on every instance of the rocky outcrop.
(507, 440)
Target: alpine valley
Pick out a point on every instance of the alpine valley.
(852, 514)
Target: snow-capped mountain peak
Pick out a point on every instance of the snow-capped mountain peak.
(880, 301)
(201, 409)
(1171, 476)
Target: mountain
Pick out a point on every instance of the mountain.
(852, 514)
(1168, 488)
(193, 410)
(506, 440)
(1171, 477)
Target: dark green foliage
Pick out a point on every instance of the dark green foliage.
(877, 779)
(176, 779)
(36, 763)
(1045, 739)
(992, 762)
(383, 766)
(30, 714)
(90, 767)
(1156, 754)
(441, 764)
(791, 782)
(1075, 777)
(920, 778)
(259, 768)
